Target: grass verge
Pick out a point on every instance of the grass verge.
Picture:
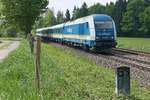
(140, 44)
(64, 76)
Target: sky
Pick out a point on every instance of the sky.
(62, 5)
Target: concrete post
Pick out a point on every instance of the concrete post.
(123, 81)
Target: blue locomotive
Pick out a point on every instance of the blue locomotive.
(95, 31)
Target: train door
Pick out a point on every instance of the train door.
(81, 33)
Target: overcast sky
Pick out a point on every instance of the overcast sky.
(69, 4)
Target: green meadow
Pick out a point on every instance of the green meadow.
(140, 44)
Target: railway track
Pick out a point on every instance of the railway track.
(132, 58)
(132, 51)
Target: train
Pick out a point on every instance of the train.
(95, 31)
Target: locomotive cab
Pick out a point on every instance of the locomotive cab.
(105, 32)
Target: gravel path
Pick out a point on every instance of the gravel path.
(4, 43)
(6, 47)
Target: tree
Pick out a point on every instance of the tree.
(84, 10)
(22, 13)
(80, 12)
(8, 32)
(96, 9)
(119, 10)
(131, 22)
(48, 19)
(67, 15)
(11, 32)
(60, 17)
(145, 21)
(74, 13)
(110, 9)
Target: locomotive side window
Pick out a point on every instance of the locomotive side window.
(81, 28)
(103, 25)
(87, 25)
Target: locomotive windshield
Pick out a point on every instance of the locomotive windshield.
(103, 24)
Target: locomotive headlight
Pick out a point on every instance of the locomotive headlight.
(112, 37)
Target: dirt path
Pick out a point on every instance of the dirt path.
(6, 47)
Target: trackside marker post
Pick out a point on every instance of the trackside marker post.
(37, 61)
(123, 81)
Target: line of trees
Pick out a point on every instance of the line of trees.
(132, 17)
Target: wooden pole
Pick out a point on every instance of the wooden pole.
(37, 61)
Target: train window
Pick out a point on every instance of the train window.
(56, 31)
(81, 28)
(59, 30)
(69, 30)
(50, 31)
(87, 25)
(103, 25)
